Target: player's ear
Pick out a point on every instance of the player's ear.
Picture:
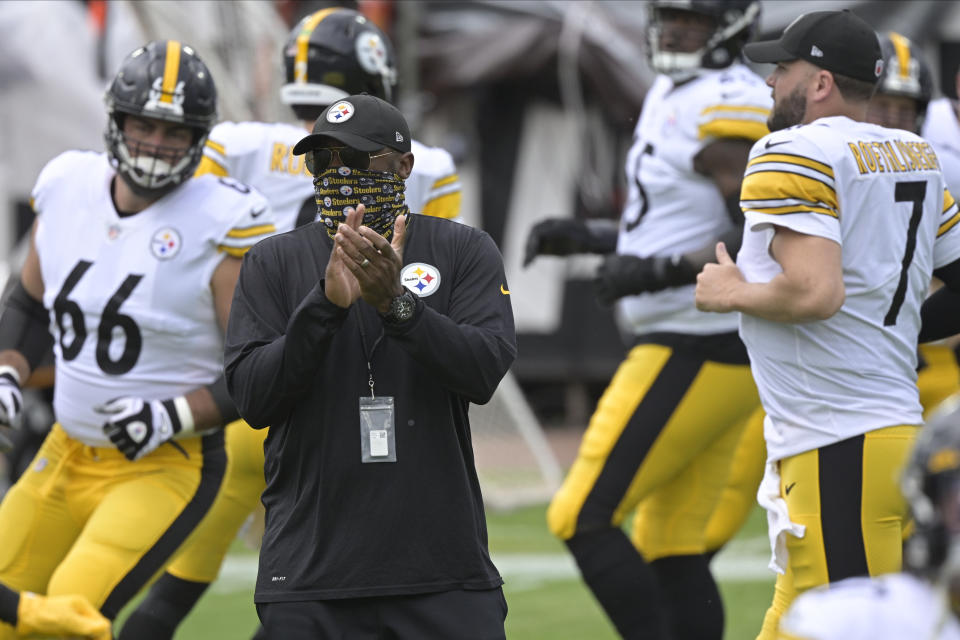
(405, 165)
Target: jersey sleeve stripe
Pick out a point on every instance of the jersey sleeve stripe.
(210, 166)
(249, 232)
(444, 181)
(216, 146)
(778, 211)
(949, 224)
(732, 128)
(771, 189)
(948, 200)
(236, 252)
(446, 206)
(789, 158)
(733, 108)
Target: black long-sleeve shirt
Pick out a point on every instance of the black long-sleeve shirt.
(335, 527)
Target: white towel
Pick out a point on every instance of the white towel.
(778, 518)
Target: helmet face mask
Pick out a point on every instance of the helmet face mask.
(166, 81)
(733, 23)
(332, 54)
(906, 77)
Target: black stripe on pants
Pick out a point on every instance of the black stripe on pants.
(841, 501)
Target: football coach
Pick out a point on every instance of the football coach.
(361, 339)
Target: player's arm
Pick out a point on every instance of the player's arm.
(24, 336)
(940, 313)
(724, 161)
(810, 286)
(569, 236)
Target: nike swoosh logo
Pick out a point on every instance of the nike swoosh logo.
(771, 143)
(504, 290)
(789, 488)
(257, 214)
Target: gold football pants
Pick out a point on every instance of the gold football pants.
(200, 558)
(85, 520)
(662, 437)
(847, 495)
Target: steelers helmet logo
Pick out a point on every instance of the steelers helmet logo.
(165, 243)
(421, 278)
(327, 201)
(371, 52)
(340, 112)
(346, 190)
(344, 171)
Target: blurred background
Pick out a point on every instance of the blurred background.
(536, 100)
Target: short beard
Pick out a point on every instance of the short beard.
(789, 112)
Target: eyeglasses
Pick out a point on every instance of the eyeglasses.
(318, 160)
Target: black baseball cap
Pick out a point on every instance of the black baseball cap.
(837, 41)
(361, 121)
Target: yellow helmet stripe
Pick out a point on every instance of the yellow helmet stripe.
(902, 48)
(171, 71)
(303, 43)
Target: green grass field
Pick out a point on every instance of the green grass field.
(547, 600)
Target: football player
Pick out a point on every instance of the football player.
(664, 433)
(924, 600)
(133, 265)
(941, 127)
(329, 55)
(846, 222)
(901, 103)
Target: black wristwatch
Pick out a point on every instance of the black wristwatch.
(401, 308)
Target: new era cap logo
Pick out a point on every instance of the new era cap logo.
(815, 51)
(878, 67)
(399, 136)
(340, 112)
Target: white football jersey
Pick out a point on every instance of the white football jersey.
(879, 193)
(130, 303)
(261, 154)
(896, 606)
(942, 129)
(671, 209)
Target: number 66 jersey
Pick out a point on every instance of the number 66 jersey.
(130, 302)
(879, 193)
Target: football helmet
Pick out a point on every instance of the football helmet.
(931, 486)
(332, 54)
(164, 80)
(906, 73)
(734, 22)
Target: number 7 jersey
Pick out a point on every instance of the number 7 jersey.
(130, 302)
(879, 193)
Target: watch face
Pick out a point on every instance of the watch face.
(401, 308)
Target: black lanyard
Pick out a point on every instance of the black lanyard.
(363, 345)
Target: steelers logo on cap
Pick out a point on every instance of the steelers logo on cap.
(340, 112)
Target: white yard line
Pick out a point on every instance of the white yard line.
(743, 561)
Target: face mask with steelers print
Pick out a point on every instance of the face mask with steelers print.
(340, 188)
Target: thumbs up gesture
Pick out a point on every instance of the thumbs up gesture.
(717, 283)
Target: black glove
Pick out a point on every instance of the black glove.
(625, 275)
(566, 236)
